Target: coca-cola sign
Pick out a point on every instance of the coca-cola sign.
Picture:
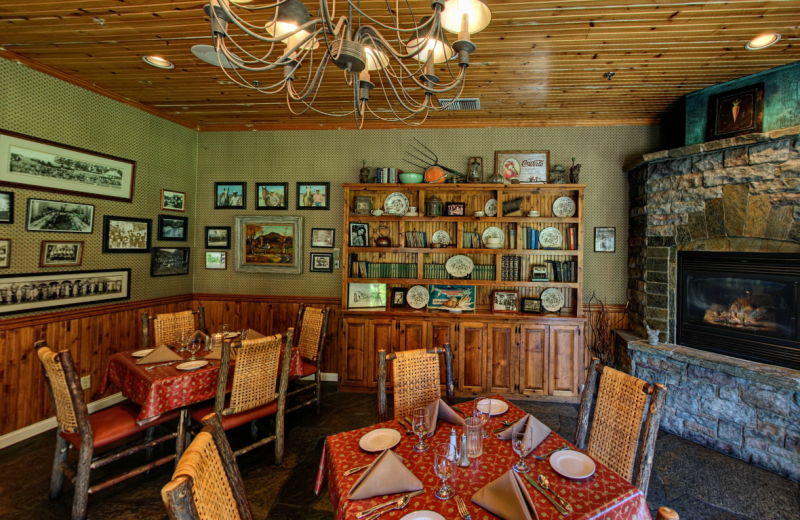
(523, 166)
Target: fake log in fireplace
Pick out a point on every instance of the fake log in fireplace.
(740, 304)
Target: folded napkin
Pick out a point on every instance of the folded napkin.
(217, 354)
(385, 476)
(161, 354)
(440, 410)
(507, 498)
(533, 435)
(252, 334)
(198, 334)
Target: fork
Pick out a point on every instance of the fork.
(161, 365)
(462, 509)
(544, 457)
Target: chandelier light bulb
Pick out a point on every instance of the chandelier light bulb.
(479, 15)
(376, 58)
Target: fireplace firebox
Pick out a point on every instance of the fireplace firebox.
(744, 305)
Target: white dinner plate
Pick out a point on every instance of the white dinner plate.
(459, 266)
(142, 353)
(423, 515)
(396, 204)
(493, 232)
(564, 207)
(440, 237)
(192, 365)
(490, 208)
(572, 464)
(494, 406)
(379, 440)
(418, 297)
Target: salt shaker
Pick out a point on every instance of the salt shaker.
(454, 443)
(463, 458)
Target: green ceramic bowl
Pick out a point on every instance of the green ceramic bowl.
(411, 178)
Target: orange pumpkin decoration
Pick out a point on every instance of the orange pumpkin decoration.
(435, 175)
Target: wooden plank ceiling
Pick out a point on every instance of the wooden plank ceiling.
(539, 63)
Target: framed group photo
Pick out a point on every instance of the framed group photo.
(230, 195)
(532, 305)
(313, 195)
(216, 260)
(5, 253)
(605, 239)
(169, 261)
(454, 209)
(505, 301)
(323, 237)
(218, 237)
(126, 234)
(59, 217)
(6, 207)
(173, 200)
(272, 195)
(173, 228)
(61, 253)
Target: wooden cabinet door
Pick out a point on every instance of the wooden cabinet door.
(533, 362)
(472, 359)
(501, 373)
(356, 347)
(412, 335)
(382, 334)
(439, 333)
(566, 358)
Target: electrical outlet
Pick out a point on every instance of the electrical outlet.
(86, 382)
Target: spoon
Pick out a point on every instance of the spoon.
(544, 457)
(546, 484)
(401, 504)
(408, 431)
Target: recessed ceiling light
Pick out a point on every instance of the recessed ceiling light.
(155, 61)
(763, 41)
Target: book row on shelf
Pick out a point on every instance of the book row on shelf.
(386, 175)
(512, 269)
(361, 269)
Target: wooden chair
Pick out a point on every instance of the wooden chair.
(207, 484)
(88, 433)
(666, 513)
(622, 401)
(416, 379)
(313, 325)
(253, 394)
(167, 326)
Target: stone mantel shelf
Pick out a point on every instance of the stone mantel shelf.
(760, 373)
(711, 146)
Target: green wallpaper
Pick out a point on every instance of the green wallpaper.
(35, 104)
(335, 156)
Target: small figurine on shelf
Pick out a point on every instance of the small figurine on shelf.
(559, 175)
(574, 172)
(364, 173)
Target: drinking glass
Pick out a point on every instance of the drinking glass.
(474, 427)
(194, 346)
(421, 423)
(226, 328)
(183, 340)
(484, 416)
(444, 465)
(217, 340)
(242, 334)
(521, 442)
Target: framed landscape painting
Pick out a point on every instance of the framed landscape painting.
(169, 261)
(33, 163)
(216, 260)
(59, 217)
(269, 245)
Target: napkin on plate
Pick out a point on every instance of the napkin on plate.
(440, 410)
(161, 354)
(534, 436)
(506, 497)
(385, 476)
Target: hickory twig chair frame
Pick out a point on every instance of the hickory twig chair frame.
(622, 402)
(416, 380)
(313, 325)
(166, 327)
(75, 428)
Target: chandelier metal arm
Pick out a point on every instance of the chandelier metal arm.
(437, 9)
(238, 22)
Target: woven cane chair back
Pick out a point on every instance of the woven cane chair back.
(211, 491)
(256, 374)
(310, 332)
(416, 381)
(65, 408)
(166, 327)
(617, 423)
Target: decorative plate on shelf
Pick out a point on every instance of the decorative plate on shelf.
(552, 299)
(494, 232)
(459, 266)
(440, 237)
(491, 208)
(396, 204)
(417, 297)
(564, 207)
(550, 238)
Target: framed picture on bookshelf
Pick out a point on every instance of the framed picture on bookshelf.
(453, 298)
(399, 297)
(366, 295)
(532, 305)
(455, 209)
(359, 234)
(526, 166)
(321, 263)
(605, 239)
(505, 301)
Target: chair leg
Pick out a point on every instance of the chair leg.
(319, 393)
(180, 440)
(81, 500)
(57, 478)
(279, 427)
(150, 436)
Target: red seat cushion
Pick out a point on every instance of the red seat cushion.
(309, 368)
(116, 423)
(232, 421)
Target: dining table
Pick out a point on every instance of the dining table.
(602, 496)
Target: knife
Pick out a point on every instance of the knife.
(403, 424)
(541, 490)
(365, 512)
(355, 470)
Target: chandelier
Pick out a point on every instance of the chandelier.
(274, 41)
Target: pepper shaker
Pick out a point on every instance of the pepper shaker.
(463, 458)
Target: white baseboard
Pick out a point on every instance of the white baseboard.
(325, 376)
(27, 432)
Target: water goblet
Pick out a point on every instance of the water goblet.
(225, 328)
(421, 420)
(521, 443)
(242, 334)
(194, 346)
(183, 340)
(483, 414)
(444, 465)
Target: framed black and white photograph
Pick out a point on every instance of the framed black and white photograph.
(5, 253)
(532, 305)
(216, 260)
(173, 200)
(59, 217)
(218, 237)
(230, 195)
(169, 261)
(455, 209)
(605, 239)
(359, 234)
(399, 297)
(505, 301)
(173, 228)
(6, 207)
(126, 234)
(323, 237)
(40, 291)
(366, 295)
(33, 163)
(61, 253)
(321, 262)
(272, 195)
(313, 195)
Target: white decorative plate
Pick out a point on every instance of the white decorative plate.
(494, 232)
(552, 299)
(459, 266)
(550, 238)
(491, 208)
(440, 237)
(192, 365)
(564, 207)
(142, 353)
(396, 204)
(493, 406)
(417, 297)
(379, 440)
(423, 515)
(572, 464)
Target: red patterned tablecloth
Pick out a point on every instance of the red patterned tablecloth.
(604, 496)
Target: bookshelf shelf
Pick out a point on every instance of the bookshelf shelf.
(357, 217)
(450, 281)
(465, 251)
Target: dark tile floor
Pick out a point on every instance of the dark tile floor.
(699, 483)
